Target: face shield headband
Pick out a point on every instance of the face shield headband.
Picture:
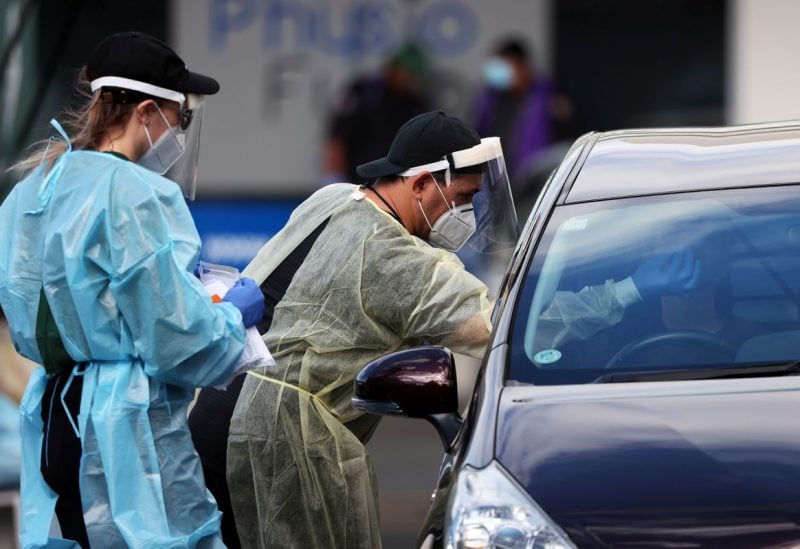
(143, 88)
(496, 230)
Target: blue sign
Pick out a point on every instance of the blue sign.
(447, 27)
(233, 231)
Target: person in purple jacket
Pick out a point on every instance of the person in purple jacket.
(524, 109)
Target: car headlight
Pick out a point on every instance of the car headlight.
(490, 510)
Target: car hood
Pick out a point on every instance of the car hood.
(692, 463)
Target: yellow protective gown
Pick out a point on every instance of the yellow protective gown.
(298, 472)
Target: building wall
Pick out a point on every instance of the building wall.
(764, 75)
(283, 64)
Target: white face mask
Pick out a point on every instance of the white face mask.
(166, 150)
(454, 227)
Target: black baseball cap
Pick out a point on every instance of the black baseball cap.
(140, 57)
(424, 139)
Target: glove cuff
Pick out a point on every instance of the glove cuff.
(626, 292)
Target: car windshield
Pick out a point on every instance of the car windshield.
(704, 280)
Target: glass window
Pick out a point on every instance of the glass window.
(697, 280)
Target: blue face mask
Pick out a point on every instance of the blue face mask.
(498, 73)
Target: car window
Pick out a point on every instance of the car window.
(695, 280)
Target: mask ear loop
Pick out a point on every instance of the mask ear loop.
(166, 123)
(423, 214)
(164, 118)
(169, 129)
(147, 134)
(452, 205)
(419, 203)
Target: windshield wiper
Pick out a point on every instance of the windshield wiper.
(758, 370)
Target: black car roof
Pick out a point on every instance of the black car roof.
(655, 161)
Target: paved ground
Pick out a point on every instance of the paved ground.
(407, 453)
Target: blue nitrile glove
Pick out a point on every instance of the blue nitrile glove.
(675, 274)
(247, 297)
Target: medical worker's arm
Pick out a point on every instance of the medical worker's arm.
(425, 294)
(580, 315)
(182, 337)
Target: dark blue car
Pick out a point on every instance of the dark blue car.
(641, 387)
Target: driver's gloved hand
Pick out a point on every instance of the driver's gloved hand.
(248, 298)
(675, 274)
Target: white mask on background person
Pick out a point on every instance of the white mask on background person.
(454, 227)
(498, 73)
(166, 150)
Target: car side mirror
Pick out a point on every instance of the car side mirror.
(419, 382)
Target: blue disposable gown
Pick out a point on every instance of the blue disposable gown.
(113, 245)
(9, 442)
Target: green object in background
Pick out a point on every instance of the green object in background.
(18, 77)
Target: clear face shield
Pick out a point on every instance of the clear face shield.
(184, 170)
(496, 228)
